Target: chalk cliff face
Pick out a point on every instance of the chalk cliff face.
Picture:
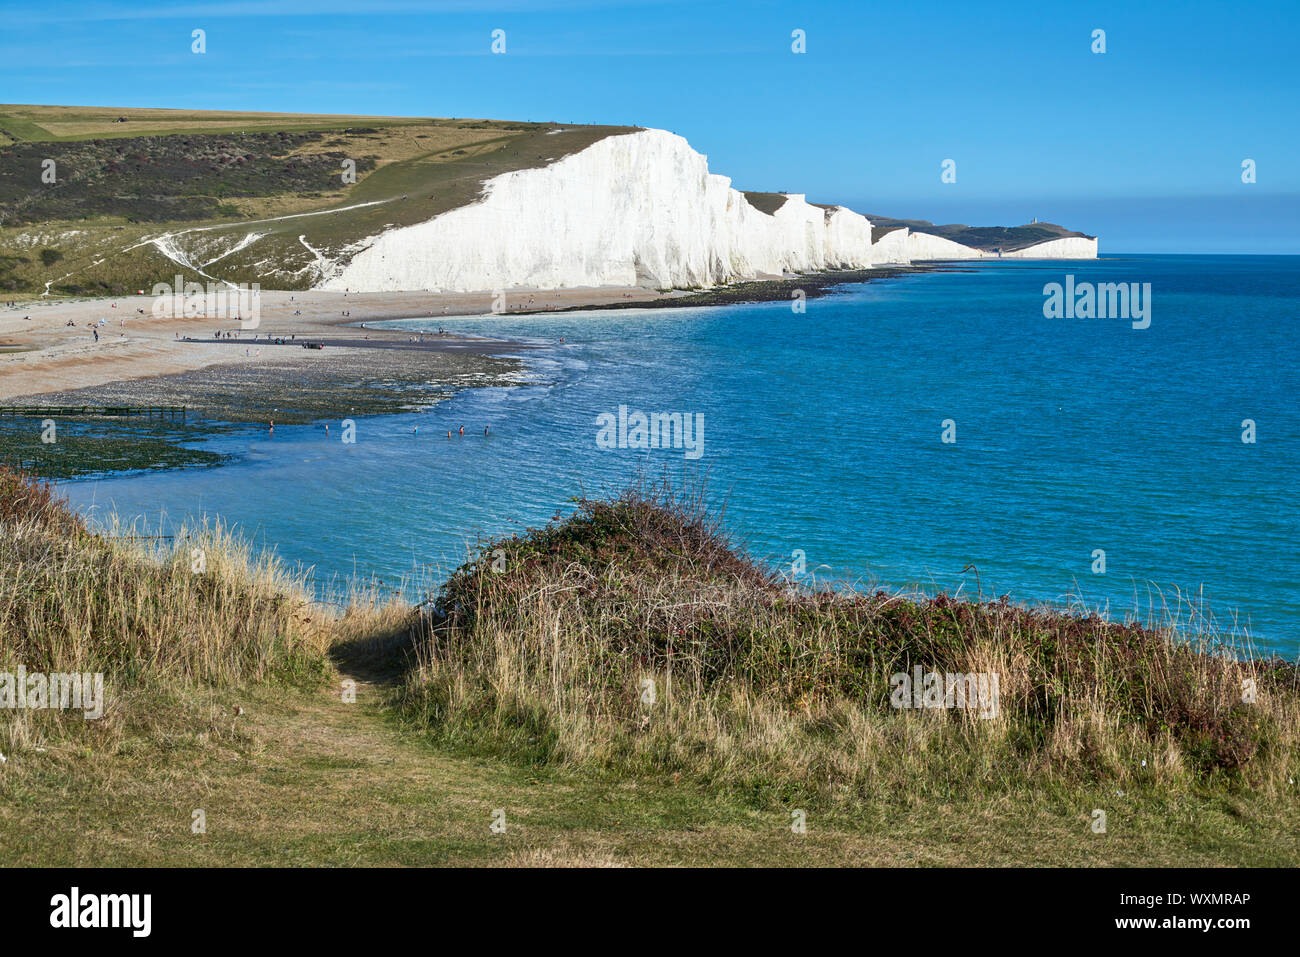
(926, 246)
(637, 208)
(890, 248)
(923, 246)
(1069, 247)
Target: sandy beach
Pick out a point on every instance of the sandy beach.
(49, 346)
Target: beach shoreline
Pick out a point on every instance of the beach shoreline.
(48, 347)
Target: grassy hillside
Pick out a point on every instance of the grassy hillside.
(377, 735)
(157, 623)
(767, 688)
(253, 183)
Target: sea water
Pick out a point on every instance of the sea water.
(935, 431)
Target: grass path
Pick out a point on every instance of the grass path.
(302, 778)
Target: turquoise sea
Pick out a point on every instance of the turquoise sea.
(823, 435)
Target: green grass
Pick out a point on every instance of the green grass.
(179, 171)
(306, 780)
(27, 122)
(226, 695)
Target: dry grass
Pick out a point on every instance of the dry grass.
(760, 687)
(79, 122)
(222, 697)
(155, 618)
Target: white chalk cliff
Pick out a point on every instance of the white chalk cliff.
(1068, 247)
(890, 248)
(635, 208)
(925, 246)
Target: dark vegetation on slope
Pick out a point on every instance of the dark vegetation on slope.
(543, 648)
(158, 179)
(111, 188)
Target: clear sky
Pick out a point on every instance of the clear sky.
(1142, 144)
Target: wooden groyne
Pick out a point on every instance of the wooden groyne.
(94, 411)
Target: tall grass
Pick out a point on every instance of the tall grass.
(759, 686)
(199, 610)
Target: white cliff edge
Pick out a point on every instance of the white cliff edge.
(891, 248)
(631, 209)
(1068, 247)
(923, 246)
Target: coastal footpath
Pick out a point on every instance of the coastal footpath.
(510, 689)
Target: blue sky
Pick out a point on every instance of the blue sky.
(1142, 144)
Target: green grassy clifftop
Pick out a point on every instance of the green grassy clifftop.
(122, 177)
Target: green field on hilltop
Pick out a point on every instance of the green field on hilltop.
(252, 182)
(53, 124)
